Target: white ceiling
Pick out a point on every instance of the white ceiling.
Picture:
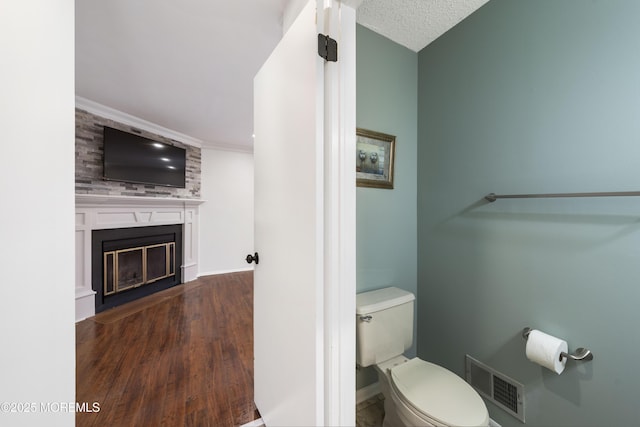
(188, 65)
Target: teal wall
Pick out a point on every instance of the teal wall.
(387, 102)
(534, 97)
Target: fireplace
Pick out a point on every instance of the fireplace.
(130, 263)
(110, 213)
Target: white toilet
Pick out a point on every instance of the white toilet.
(417, 393)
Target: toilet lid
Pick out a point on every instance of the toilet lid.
(439, 394)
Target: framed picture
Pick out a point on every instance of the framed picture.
(375, 153)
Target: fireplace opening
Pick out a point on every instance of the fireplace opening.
(129, 263)
(129, 268)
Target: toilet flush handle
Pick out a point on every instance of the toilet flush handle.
(366, 318)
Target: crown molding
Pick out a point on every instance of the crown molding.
(121, 117)
(227, 147)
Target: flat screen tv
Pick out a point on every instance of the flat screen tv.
(133, 158)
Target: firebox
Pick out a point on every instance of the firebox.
(129, 263)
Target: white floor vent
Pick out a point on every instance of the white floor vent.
(496, 387)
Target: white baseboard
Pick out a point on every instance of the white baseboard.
(493, 423)
(254, 423)
(367, 392)
(214, 273)
(85, 304)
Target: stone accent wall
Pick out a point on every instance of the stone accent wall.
(89, 153)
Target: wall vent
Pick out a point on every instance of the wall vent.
(505, 392)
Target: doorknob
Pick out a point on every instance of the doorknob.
(251, 258)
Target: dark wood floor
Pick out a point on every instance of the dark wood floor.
(181, 357)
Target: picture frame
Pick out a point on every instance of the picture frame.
(375, 156)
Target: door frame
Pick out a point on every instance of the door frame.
(339, 21)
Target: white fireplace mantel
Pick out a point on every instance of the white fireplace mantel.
(98, 212)
(94, 200)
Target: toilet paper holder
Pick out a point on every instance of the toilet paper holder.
(581, 353)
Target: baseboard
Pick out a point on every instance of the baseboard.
(367, 392)
(214, 273)
(85, 304)
(493, 423)
(254, 423)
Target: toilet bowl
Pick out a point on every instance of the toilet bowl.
(417, 393)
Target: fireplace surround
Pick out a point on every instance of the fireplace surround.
(109, 212)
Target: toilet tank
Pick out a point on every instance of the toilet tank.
(384, 324)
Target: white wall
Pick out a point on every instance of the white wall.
(226, 218)
(291, 11)
(37, 361)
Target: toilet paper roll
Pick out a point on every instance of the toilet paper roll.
(545, 350)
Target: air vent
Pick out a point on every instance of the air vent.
(505, 392)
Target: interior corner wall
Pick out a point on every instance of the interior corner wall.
(37, 361)
(226, 217)
(534, 97)
(386, 97)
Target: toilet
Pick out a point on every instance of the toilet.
(417, 393)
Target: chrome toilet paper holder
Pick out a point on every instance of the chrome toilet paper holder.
(581, 353)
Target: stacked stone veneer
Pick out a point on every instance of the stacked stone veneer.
(89, 154)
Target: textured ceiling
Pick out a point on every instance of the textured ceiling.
(414, 23)
(188, 65)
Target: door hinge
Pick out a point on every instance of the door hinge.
(327, 48)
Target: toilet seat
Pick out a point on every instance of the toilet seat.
(437, 395)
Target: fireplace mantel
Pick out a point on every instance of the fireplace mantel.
(97, 212)
(96, 200)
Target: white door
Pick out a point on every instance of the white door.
(288, 300)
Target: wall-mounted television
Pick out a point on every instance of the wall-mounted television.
(133, 158)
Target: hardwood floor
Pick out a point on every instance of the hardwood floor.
(181, 357)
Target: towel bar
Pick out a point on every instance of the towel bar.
(492, 197)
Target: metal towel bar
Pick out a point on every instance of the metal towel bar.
(492, 197)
